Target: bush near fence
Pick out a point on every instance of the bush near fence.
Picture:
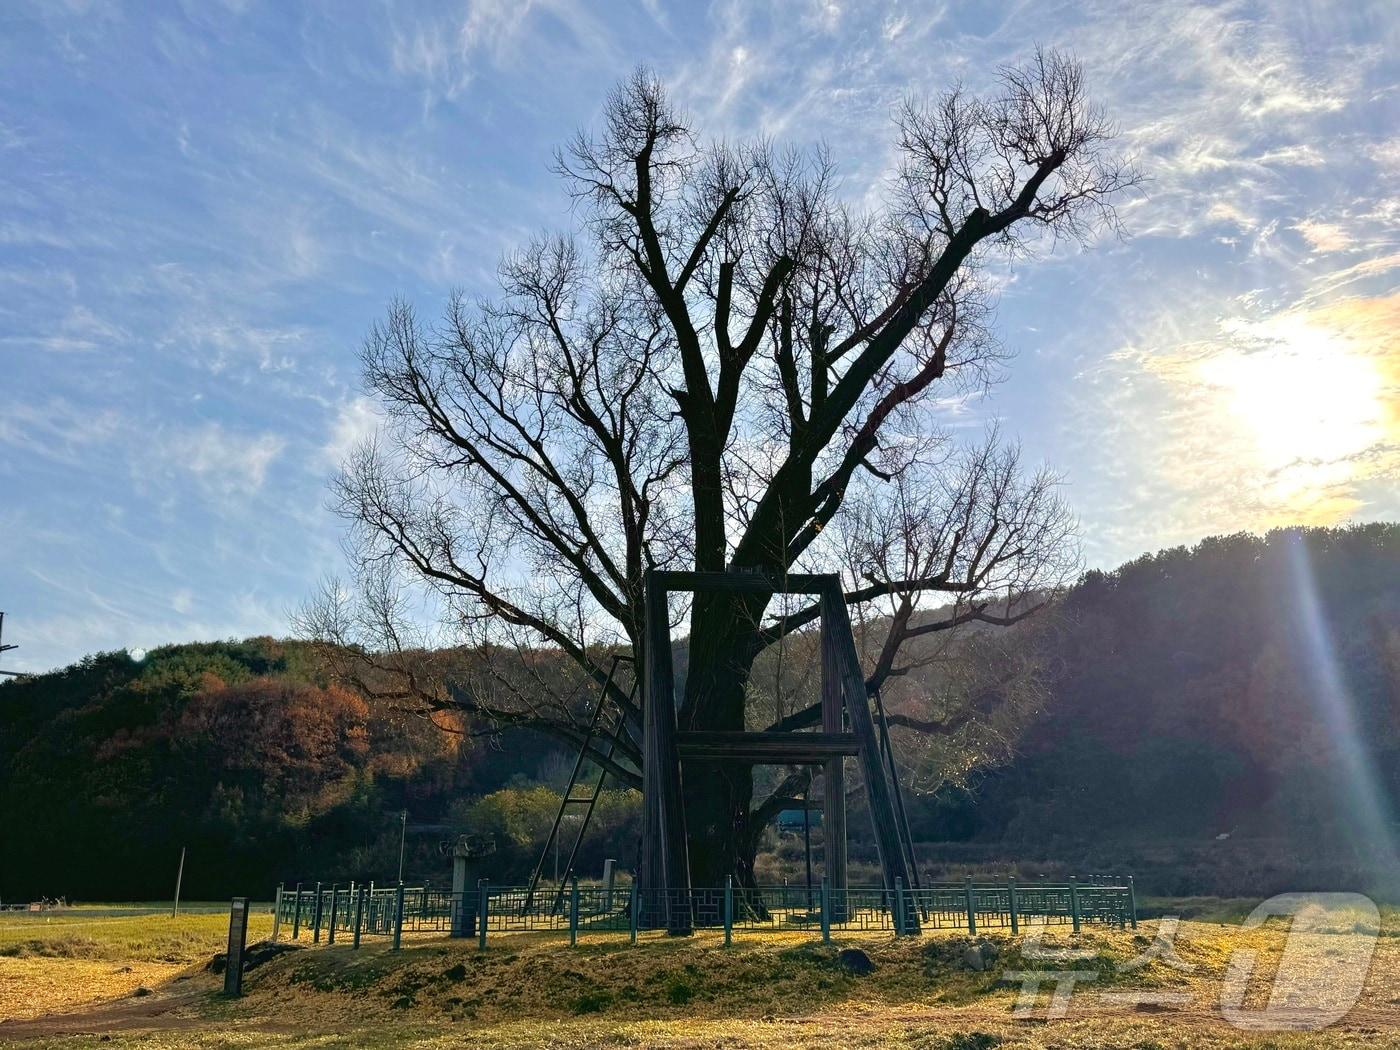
(353, 912)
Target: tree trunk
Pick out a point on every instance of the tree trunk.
(719, 795)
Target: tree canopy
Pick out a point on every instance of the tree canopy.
(727, 365)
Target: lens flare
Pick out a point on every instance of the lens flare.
(1367, 803)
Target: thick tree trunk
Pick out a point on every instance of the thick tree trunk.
(719, 795)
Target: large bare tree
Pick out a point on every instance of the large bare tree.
(727, 366)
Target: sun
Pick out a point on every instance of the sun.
(1304, 404)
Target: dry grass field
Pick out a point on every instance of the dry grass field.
(61, 961)
(768, 992)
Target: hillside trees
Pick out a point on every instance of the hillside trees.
(727, 366)
(1187, 699)
(234, 750)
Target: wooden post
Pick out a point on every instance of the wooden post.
(665, 863)
(237, 937)
(296, 915)
(1011, 904)
(833, 773)
(316, 917)
(483, 899)
(1132, 900)
(728, 910)
(971, 907)
(335, 914)
(1074, 902)
(359, 915)
(877, 787)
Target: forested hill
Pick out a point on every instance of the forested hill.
(1243, 688)
(239, 751)
(1237, 688)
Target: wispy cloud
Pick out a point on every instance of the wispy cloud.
(225, 463)
(1324, 236)
(354, 422)
(79, 331)
(206, 206)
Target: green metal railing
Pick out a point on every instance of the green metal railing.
(329, 914)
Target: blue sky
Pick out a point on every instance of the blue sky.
(204, 205)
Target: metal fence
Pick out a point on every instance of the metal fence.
(331, 914)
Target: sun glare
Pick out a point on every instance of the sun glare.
(1306, 398)
(1304, 405)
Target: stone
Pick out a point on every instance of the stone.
(853, 960)
(255, 955)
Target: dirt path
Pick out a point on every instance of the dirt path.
(36, 986)
(175, 1013)
(152, 1012)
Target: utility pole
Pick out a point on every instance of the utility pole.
(179, 878)
(403, 831)
(6, 648)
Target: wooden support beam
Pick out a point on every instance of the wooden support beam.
(766, 748)
(834, 774)
(665, 856)
(719, 582)
(665, 861)
(837, 622)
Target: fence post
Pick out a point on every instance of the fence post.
(632, 906)
(573, 911)
(483, 899)
(359, 914)
(1011, 904)
(423, 904)
(1132, 900)
(296, 915)
(899, 907)
(1074, 902)
(971, 908)
(277, 913)
(335, 914)
(826, 909)
(398, 918)
(316, 920)
(728, 910)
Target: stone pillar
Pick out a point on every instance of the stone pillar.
(468, 858)
(463, 893)
(609, 878)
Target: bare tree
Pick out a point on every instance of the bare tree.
(728, 367)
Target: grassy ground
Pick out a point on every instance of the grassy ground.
(764, 992)
(60, 961)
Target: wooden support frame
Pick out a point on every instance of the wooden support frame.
(847, 730)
